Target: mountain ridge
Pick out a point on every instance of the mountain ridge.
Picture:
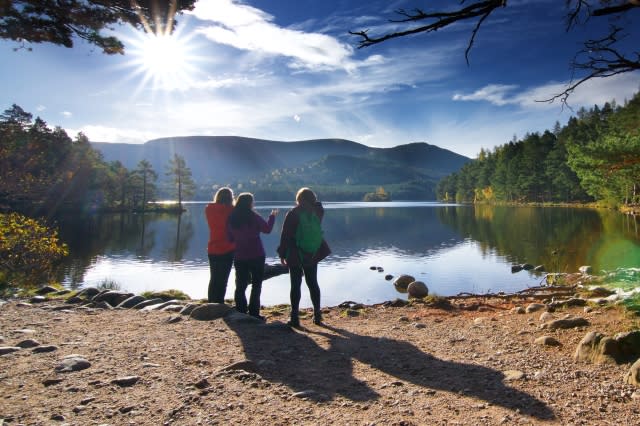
(253, 163)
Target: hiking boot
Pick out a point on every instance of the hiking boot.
(317, 319)
(260, 317)
(294, 322)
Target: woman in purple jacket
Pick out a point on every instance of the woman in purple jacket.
(245, 226)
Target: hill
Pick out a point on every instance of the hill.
(274, 168)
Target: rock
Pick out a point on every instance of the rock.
(547, 341)
(516, 268)
(397, 303)
(600, 349)
(420, 325)
(159, 306)
(244, 365)
(518, 310)
(130, 302)
(388, 277)
(125, 381)
(535, 307)
(202, 383)
(236, 317)
(29, 343)
(527, 266)
(380, 269)
(510, 375)
(585, 270)
(57, 417)
(103, 304)
(52, 381)
(88, 292)
(44, 348)
(373, 268)
(539, 268)
(74, 300)
(72, 363)
(633, 375)
(62, 292)
(311, 394)
(188, 308)
(210, 311)
(46, 290)
(38, 299)
(565, 323)
(574, 301)
(402, 282)
(418, 290)
(147, 303)
(25, 331)
(87, 400)
(112, 297)
(172, 308)
(546, 317)
(4, 350)
(174, 319)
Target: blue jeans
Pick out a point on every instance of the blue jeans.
(249, 271)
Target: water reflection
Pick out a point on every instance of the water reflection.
(452, 248)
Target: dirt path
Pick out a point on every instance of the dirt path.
(384, 366)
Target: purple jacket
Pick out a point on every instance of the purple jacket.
(247, 238)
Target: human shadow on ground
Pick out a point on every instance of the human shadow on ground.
(406, 362)
(295, 359)
(281, 355)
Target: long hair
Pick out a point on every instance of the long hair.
(242, 211)
(306, 197)
(224, 196)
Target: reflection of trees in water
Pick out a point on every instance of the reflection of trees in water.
(562, 239)
(182, 230)
(91, 236)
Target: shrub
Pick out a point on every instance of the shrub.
(29, 251)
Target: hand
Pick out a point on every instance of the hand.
(283, 261)
(274, 212)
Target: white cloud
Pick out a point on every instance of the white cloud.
(296, 118)
(596, 91)
(247, 28)
(66, 114)
(98, 133)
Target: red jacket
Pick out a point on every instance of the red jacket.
(217, 215)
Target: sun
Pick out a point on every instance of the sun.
(163, 61)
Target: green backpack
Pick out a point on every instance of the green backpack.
(309, 232)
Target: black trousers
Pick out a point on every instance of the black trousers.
(219, 270)
(311, 278)
(249, 271)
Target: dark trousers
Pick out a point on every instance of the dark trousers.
(249, 271)
(219, 270)
(311, 278)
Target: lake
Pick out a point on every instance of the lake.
(452, 248)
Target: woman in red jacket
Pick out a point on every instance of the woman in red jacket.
(220, 248)
(306, 216)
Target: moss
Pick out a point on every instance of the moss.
(166, 295)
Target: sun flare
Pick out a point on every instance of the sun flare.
(165, 62)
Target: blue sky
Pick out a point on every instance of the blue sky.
(289, 70)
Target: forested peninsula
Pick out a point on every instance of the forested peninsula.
(595, 157)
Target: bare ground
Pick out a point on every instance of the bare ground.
(409, 365)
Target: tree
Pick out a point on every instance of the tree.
(599, 57)
(180, 178)
(59, 22)
(148, 177)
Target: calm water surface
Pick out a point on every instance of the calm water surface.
(452, 248)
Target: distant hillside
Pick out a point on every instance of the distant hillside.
(276, 168)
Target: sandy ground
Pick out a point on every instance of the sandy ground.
(377, 365)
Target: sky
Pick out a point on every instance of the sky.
(288, 70)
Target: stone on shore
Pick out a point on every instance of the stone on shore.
(418, 289)
(402, 282)
(72, 363)
(210, 311)
(565, 323)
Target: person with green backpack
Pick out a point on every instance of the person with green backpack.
(302, 247)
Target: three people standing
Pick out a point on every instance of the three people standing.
(235, 238)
